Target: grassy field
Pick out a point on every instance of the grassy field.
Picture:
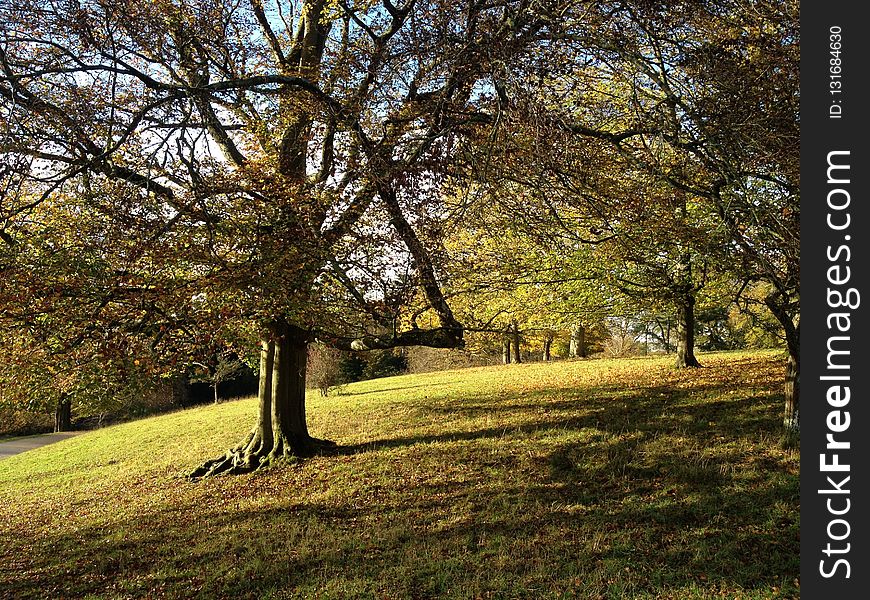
(587, 479)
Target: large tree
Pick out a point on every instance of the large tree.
(273, 164)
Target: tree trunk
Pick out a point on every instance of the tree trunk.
(63, 414)
(779, 305)
(577, 344)
(666, 336)
(506, 352)
(686, 332)
(791, 417)
(548, 342)
(515, 342)
(281, 429)
(215, 388)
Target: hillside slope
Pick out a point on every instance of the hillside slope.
(586, 479)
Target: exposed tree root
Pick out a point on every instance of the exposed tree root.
(690, 363)
(256, 453)
(281, 432)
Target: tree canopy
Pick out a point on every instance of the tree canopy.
(184, 173)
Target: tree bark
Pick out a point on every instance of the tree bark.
(515, 342)
(779, 304)
(577, 344)
(686, 332)
(548, 342)
(666, 336)
(668, 346)
(215, 388)
(63, 414)
(506, 352)
(791, 416)
(281, 429)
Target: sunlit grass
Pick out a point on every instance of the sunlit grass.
(587, 479)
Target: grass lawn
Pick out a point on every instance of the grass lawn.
(585, 479)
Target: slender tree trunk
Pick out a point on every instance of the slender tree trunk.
(288, 394)
(791, 417)
(548, 342)
(63, 414)
(778, 304)
(686, 332)
(215, 388)
(792, 413)
(281, 428)
(668, 346)
(577, 343)
(685, 303)
(506, 352)
(515, 342)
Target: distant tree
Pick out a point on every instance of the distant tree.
(324, 368)
(223, 366)
(728, 90)
(384, 363)
(352, 367)
(40, 374)
(622, 340)
(514, 285)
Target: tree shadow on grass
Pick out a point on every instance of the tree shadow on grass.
(695, 505)
(633, 494)
(385, 389)
(658, 410)
(581, 531)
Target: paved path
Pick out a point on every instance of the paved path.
(23, 444)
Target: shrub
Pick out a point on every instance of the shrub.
(324, 369)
